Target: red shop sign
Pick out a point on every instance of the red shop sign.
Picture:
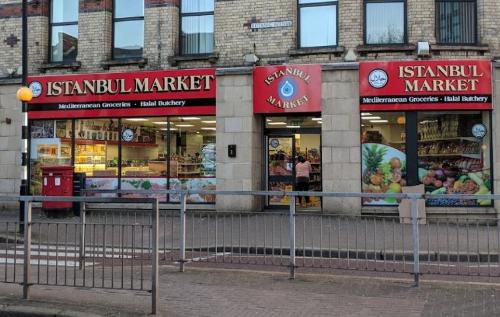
(151, 93)
(287, 89)
(425, 85)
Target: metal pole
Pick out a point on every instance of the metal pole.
(23, 189)
(416, 240)
(291, 218)
(155, 276)
(83, 214)
(182, 233)
(27, 250)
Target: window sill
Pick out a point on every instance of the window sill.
(141, 62)
(211, 58)
(337, 51)
(482, 48)
(68, 65)
(375, 49)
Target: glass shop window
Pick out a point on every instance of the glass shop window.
(454, 155)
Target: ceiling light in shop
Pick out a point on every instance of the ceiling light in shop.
(366, 114)
(209, 121)
(320, 122)
(269, 120)
(379, 121)
(189, 118)
(166, 129)
(136, 119)
(371, 118)
(184, 125)
(401, 120)
(317, 119)
(160, 122)
(209, 128)
(277, 123)
(293, 126)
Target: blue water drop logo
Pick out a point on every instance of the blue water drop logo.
(287, 89)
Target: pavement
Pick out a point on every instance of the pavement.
(214, 292)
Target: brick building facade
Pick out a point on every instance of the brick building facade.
(239, 45)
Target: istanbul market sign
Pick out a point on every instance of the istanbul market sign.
(425, 85)
(287, 89)
(178, 92)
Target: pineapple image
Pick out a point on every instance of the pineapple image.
(373, 156)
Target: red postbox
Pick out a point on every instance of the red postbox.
(57, 181)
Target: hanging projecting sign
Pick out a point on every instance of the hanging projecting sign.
(287, 89)
(425, 85)
(179, 92)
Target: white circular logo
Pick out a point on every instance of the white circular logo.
(479, 130)
(378, 78)
(275, 143)
(36, 88)
(127, 135)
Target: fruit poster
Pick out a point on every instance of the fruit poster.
(383, 171)
(101, 183)
(149, 183)
(193, 184)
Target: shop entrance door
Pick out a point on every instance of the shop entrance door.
(280, 167)
(282, 153)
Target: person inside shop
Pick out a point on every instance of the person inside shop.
(302, 172)
(197, 157)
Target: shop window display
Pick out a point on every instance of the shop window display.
(454, 155)
(144, 151)
(50, 146)
(192, 158)
(144, 145)
(96, 152)
(383, 152)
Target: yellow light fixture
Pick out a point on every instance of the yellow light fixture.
(401, 120)
(24, 94)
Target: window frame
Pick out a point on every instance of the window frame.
(56, 24)
(114, 21)
(194, 14)
(476, 23)
(318, 4)
(405, 21)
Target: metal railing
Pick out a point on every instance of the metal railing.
(83, 251)
(121, 249)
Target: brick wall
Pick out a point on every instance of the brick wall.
(233, 36)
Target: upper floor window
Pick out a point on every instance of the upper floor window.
(128, 28)
(197, 27)
(456, 21)
(385, 21)
(63, 30)
(317, 23)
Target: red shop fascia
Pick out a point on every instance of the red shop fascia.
(114, 95)
(287, 89)
(418, 90)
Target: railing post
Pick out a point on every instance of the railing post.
(27, 250)
(291, 219)
(83, 214)
(416, 240)
(182, 233)
(155, 274)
